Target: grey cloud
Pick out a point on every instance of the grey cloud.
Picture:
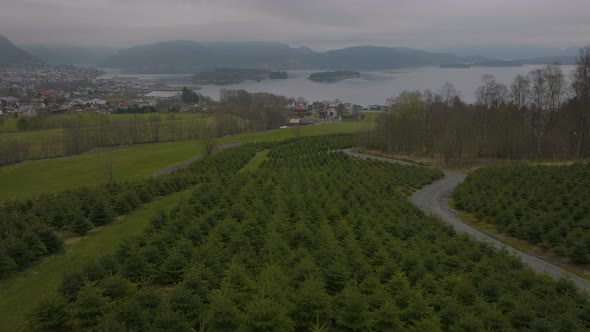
(317, 23)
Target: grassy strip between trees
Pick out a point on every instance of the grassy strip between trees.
(21, 292)
(255, 162)
(311, 240)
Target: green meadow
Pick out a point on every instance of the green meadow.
(128, 162)
(93, 119)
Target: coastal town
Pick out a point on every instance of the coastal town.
(28, 90)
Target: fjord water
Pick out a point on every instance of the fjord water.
(373, 87)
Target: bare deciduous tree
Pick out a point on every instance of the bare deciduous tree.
(490, 93)
(548, 91)
(538, 89)
(581, 87)
(155, 124)
(209, 141)
(520, 92)
(556, 87)
(448, 94)
(107, 166)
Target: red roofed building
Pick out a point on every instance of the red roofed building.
(299, 107)
(48, 93)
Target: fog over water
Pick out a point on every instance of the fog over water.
(373, 87)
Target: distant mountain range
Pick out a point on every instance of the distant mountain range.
(183, 56)
(71, 55)
(12, 55)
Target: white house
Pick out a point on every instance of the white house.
(9, 101)
(98, 102)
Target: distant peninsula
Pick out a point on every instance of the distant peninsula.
(333, 76)
(224, 76)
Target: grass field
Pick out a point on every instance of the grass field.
(32, 136)
(20, 294)
(37, 139)
(92, 119)
(129, 162)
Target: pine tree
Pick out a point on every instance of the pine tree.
(312, 304)
(51, 241)
(7, 264)
(50, 315)
(353, 310)
(187, 303)
(89, 306)
(116, 287)
(265, 314)
(189, 96)
(80, 225)
(101, 214)
(172, 269)
(223, 314)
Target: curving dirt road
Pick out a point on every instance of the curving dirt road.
(434, 199)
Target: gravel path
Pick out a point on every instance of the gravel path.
(434, 200)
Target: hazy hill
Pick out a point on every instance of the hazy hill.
(70, 55)
(516, 52)
(373, 57)
(562, 60)
(182, 55)
(12, 55)
(188, 55)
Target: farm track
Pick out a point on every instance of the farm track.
(434, 199)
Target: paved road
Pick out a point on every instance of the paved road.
(434, 199)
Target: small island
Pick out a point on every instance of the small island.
(333, 76)
(224, 76)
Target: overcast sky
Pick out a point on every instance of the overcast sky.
(320, 24)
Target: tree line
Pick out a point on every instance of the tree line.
(76, 136)
(312, 240)
(265, 110)
(541, 115)
(238, 112)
